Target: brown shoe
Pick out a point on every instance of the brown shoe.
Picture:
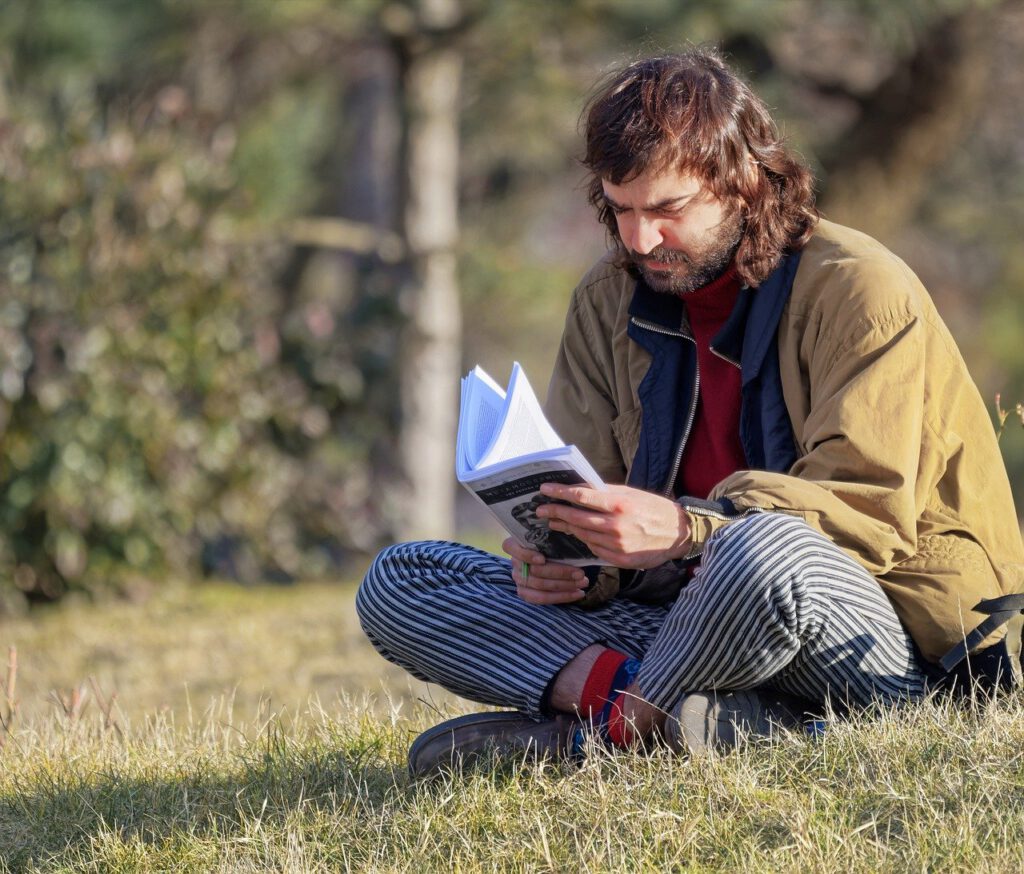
(464, 740)
(724, 720)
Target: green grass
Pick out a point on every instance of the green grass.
(295, 761)
(187, 650)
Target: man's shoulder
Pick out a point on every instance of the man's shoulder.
(605, 274)
(836, 244)
(606, 289)
(843, 272)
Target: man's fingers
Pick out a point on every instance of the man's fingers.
(551, 583)
(567, 518)
(546, 574)
(522, 553)
(548, 584)
(615, 557)
(537, 596)
(583, 496)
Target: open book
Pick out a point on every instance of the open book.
(505, 449)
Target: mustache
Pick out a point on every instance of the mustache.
(660, 255)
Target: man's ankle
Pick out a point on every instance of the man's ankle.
(598, 684)
(644, 718)
(567, 688)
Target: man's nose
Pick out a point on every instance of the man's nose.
(646, 235)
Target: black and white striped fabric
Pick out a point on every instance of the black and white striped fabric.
(774, 604)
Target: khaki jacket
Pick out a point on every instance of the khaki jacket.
(897, 459)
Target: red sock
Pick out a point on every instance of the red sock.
(620, 731)
(602, 696)
(597, 689)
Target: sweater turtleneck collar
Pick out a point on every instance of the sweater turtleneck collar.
(714, 301)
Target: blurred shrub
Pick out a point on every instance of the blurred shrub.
(160, 408)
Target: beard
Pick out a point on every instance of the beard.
(688, 271)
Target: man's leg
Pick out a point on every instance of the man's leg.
(449, 614)
(775, 605)
(778, 605)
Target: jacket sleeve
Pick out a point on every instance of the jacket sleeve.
(860, 478)
(581, 402)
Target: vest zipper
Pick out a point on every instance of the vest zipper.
(713, 514)
(666, 490)
(715, 352)
(703, 511)
(658, 329)
(726, 358)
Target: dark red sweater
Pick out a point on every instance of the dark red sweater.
(713, 450)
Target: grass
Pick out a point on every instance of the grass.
(189, 649)
(287, 754)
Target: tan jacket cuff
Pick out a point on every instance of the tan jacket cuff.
(701, 529)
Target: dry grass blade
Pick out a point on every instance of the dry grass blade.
(1002, 415)
(72, 702)
(10, 703)
(106, 706)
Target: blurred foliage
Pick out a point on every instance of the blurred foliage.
(185, 391)
(163, 406)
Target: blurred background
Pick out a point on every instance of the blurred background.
(247, 248)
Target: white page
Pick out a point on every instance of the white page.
(525, 429)
(494, 474)
(481, 406)
(486, 410)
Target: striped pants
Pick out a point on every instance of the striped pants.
(773, 604)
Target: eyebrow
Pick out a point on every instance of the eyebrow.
(653, 207)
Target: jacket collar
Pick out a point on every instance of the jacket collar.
(746, 337)
(664, 310)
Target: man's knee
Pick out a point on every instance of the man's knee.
(762, 549)
(386, 584)
(405, 573)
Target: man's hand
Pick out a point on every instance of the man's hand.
(623, 526)
(545, 582)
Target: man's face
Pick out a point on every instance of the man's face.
(677, 233)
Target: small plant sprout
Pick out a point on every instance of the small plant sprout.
(1002, 415)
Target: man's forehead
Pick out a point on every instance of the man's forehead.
(654, 187)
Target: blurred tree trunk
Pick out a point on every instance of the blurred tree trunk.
(357, 216)
(398, 182)
(878, 172)
(429, 350)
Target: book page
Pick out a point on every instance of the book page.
(486, 410)
(487, 421)
(525, 429)
(481, 409)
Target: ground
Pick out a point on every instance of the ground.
(255, 729)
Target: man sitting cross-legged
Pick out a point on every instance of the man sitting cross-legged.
(812, 502)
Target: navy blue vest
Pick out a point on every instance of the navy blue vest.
(749, 337)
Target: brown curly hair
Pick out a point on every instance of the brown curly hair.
(690, 112)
